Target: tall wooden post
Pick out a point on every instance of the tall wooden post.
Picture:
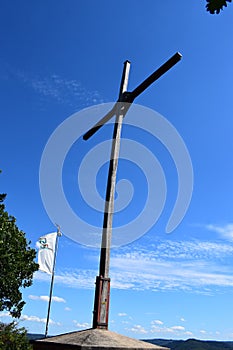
(126, 98)
(102, 291)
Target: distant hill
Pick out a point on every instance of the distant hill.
(34, 336)
(192, 344)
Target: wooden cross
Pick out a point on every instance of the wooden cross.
(125, 99)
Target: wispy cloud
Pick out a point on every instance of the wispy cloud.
(72, 278)
(194, 266)
(122, 314)
(70, 92)
(191, 249)
(226, 230)
(175, 265)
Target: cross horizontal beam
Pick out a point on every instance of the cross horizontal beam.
(156, 75)
(129, 97)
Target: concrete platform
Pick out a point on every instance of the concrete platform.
(96, 339)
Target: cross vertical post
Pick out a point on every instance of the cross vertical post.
(102, 291)
(125, 99)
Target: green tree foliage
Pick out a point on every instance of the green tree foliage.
(17, 263)
(13, 338)
(215, 6)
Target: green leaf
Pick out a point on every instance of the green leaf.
(215, 6)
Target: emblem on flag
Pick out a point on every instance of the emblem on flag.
(43, 243)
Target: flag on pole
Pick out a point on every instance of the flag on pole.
(46, 253)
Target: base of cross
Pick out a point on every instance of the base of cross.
(101, 304)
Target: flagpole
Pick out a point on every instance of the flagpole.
(52, 280)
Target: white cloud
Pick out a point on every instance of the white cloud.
(121, 314)
(182, 319)
(163, 330)
(31, 318)
(202, 331)
(190, 334)
(67, 309)
(178, 328)
(58, 299)
(5, 314)
(38, 319)
(81, 325)
(158, 322)
(46, 298)
(138, 329)
(226, 231)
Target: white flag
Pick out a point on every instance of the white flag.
(46, 252)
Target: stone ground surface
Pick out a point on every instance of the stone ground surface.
(95, 339)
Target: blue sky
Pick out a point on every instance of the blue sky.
(58, 58)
